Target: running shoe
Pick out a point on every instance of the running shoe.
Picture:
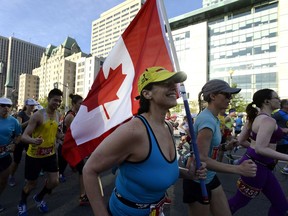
(41, 205)
(22, 209)
(284, 170)
(12, 181)
(83, 200)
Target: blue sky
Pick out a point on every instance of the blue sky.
(50, 22)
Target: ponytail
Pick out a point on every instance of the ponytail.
(252, 112)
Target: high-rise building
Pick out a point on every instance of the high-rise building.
(16, 57)
(107, 29)
(28, 88)
(241, 42)
(58, 69)
(4, 43)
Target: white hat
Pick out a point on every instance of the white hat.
(5, 101)
(31, 102)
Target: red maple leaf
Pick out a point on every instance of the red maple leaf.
(105, 90)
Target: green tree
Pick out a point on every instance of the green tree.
(43, 102)
(237, 101)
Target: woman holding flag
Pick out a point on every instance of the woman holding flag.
(217, 93)
(144, 150)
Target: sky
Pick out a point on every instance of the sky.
(51, 22)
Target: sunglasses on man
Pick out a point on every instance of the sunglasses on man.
(6, 105)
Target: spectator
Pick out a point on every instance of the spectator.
(238, 124)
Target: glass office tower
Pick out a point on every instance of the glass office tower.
(242, 48)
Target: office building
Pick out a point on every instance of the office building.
(241, 42)
(58, 69)
(28, 88)
(107, 29)
(4, 45)
(16, 57)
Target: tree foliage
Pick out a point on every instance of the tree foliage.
(237, 101)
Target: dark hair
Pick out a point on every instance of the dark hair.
(283, 103)
(143, 102)
(201, 99)
(232, 110)
(259, 98)
(55, 92)
(75, 98)
(24, 108)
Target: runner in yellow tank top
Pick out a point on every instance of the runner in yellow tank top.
(41, 134)
(47, 131)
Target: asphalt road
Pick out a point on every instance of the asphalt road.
(64, 199)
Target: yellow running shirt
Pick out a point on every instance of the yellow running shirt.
(48, 131)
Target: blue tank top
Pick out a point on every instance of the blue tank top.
(147, 181)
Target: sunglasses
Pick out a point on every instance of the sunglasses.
(6, 105)
(227, 95)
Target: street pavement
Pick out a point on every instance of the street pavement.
(64, 199)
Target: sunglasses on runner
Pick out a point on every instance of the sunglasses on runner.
(6, 105)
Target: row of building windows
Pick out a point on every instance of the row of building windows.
(244, 52)
(251, 23)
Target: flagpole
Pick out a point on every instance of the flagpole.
(185, 101)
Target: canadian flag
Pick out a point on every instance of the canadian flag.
(111, 100)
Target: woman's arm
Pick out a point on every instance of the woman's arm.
(204, 138)
(125, 143)
(265, 131)
(244, 136)
(33, 122)
(68, 120)
(192, 173)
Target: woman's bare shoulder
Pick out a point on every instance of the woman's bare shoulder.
(134, 127)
